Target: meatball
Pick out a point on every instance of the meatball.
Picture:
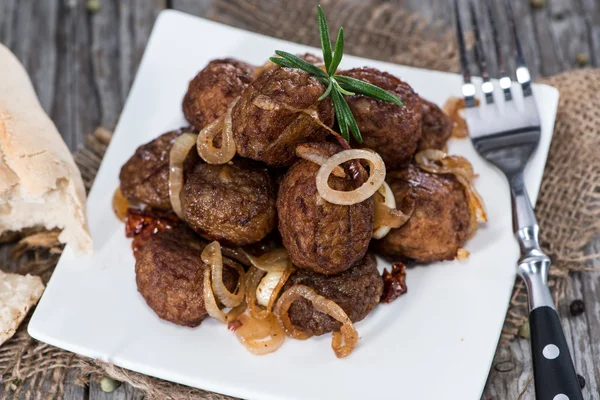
(320, 236)
(356, 290)
(234, 203)
(267, 125)
(392, 131)
(211, 91)
(145, 176)
(269, 65)
(437, 127)
(169, 275)
(440, 223)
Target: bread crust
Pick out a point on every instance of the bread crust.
(40, 184)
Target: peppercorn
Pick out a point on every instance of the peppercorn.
(577, 307)
(109, 385)
(524, 330)
(582, 59)
(581, 380)
(94, 6)
(537, 3)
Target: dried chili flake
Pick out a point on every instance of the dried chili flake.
(394, 283)
(234, 325)
(142, 224)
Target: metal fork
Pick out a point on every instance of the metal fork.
(507, 137)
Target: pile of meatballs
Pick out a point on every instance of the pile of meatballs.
(266, 197)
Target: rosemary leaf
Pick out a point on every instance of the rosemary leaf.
(303, 65)
(326, 93)
(340, 89)
(325, 40)
(282, 61)
(366, 89)
(337, 99)
(338, 53)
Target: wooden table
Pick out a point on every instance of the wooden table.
(82, 66)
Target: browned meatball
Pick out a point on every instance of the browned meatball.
(437, 127)
(266, 129)
(440, 222)
(392, 131)
(169, 275)
(320, 236)
(268, 66)
(211, 91)
(145, 176)
(234, 203)
(356, 290)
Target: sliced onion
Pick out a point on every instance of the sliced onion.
(312, 154)
(211, 255)
(438, 162)
(120, 205)
(253, 280)
(210, 303)
(223, 125)
(273, 261)
(235, 254)
(454, 108)
(236, 311)
(260, 336)
(179, 151)
(376, 177)
(386, 214)
(343, 342)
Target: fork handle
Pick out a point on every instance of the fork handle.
(553, 370)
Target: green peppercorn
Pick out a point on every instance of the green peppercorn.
(524, 330)
(94, 6)
(537, 3)
(109, 385)
(582, 59)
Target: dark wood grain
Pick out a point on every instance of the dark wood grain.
(82, 66)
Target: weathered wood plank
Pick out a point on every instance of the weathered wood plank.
(82, 64)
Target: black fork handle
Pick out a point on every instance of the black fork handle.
(554, 375)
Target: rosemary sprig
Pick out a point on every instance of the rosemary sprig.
(337, 85)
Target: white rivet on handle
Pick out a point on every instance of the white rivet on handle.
(561, 396)
(551, 351)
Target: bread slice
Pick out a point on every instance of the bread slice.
(40, 184)
(18, 294)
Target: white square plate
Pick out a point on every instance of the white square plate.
(436, 342)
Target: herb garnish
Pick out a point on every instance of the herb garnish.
(337, 85)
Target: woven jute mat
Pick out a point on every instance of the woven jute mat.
(568, 206)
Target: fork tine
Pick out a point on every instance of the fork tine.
(487, 87)
(523, 76)
(468, 89)
(505, 82)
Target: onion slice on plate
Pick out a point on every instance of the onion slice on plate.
(366, 190)
(179, 151)
(255, 278)
(438, 162)
(223, 125)
(387, 216)
(211, 255)
(274, 260)
(343, 342)
(311, 154)
(260, 336)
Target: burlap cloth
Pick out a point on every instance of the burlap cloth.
(568, 207)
